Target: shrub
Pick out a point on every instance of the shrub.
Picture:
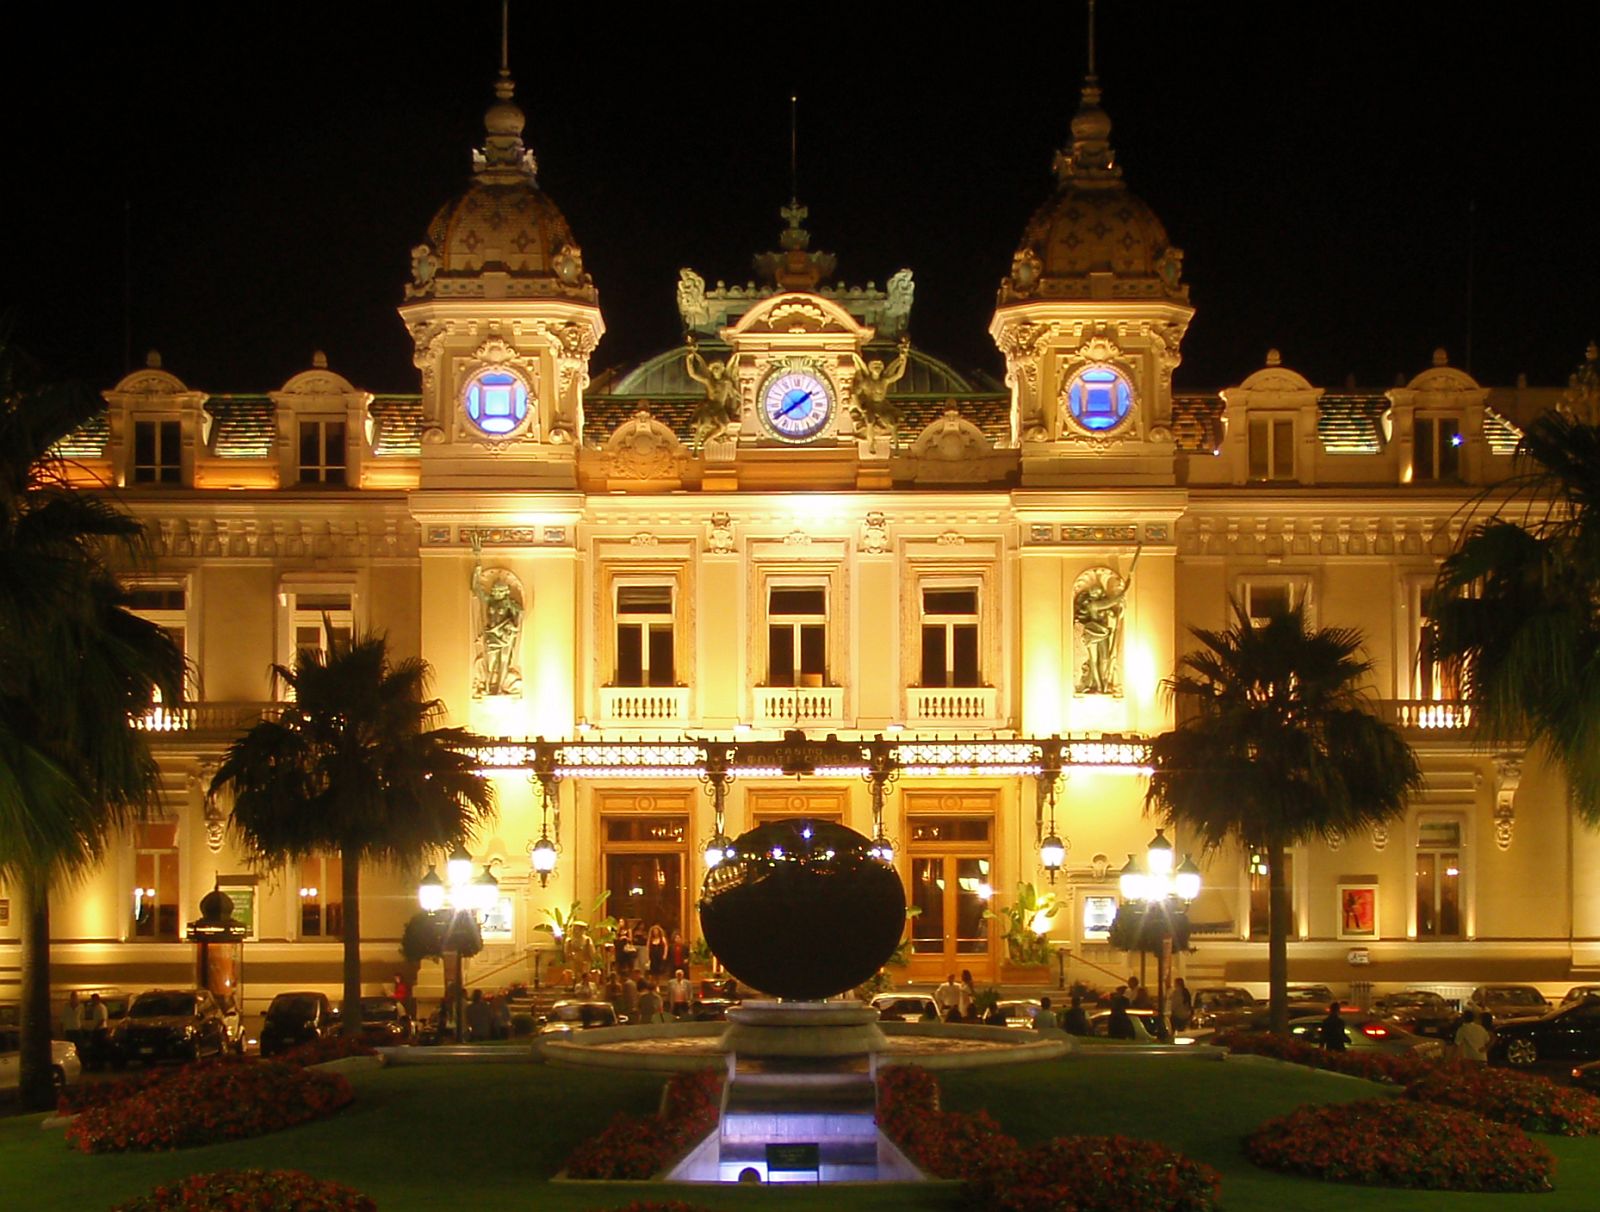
(1524, 1100)
(206, 1103)
(73, 1099)
(1394, 1143)
(640, 1146)
(251, 1191)
(329, 1048)
(1082, 1173)
(1393, 1068)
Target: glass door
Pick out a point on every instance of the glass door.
(952, 870)
(645, 863)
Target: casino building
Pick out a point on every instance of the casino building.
(800, 565)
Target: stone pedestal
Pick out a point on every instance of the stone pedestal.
(797, 1030)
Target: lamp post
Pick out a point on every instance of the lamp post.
(1052, 850)
(1157, 885)
(458, 895)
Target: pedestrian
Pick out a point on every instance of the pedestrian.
(1332, 1032)
(1139, 995)
(1077, 1022)
(502, 1016)
(948, 997)
(1473, 1039)
(69, 1017)
(480, 1018)
(650, 1010)
(966, 993)
(402, 994)
(678, 993)
(656, 952)
(1044, 1018)
(614, 994)
(677, 951)
(627, 951)
(1180, 1005)
(1120, 1024)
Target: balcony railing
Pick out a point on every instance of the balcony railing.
(939, 706)
(785, 706)
(644, 706)
(1429, 715)
(204, 717)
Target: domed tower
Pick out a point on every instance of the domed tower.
(504, 319)
(1090, 320)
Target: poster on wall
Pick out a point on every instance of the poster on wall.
(1358, 910)
(1098, 914)
(243, 896)
(498, 921)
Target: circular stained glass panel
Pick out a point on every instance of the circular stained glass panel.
(496, 401)
(1100, 399)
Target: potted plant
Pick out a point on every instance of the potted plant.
(1025, 930)
(580, 940)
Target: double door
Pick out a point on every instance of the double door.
(951, 870)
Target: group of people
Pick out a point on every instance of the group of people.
(643, 974)
(650, 954)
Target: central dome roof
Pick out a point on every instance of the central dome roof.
(504, 237)
(1093, 238)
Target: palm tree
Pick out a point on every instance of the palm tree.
(1514, 614)
(350, 766)
(76, 668)
(1277, 745)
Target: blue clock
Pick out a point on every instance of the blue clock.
(796, 405)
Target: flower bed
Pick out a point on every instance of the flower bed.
(1084, 1173)
(1525, 1100)
(1394, 1143)
(204, 1104)
(332, 1048)
(1395, 1069)
(251, 1191)
(640, 1146)
(70, 1100)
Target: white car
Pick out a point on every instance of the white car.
(906, 1007)
(63, 1058)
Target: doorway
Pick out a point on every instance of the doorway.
(952, 872)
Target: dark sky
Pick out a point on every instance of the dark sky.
(1327, 169)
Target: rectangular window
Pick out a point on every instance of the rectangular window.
(155, 880)
(1438, 449)
(797, 636)
(1272, 448)
(645, 636)
(321, 897)
(1434, 682)
(1266, 596)
(157, 452)
(950, 637)
(1439, 853)
(1261, 891)
(322, 454)
(167, 606)
(312, 616)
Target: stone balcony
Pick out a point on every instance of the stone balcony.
(204, 719)
(934, 707)
(796, 706)
(1428, 715)
(644, 706)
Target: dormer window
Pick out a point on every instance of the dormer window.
(322, 453)
(1272, 448)
(1438, 449)
(157, 452)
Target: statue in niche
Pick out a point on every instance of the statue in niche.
(498, 618)
(720, 408)
(1098, 598)
(871, 408)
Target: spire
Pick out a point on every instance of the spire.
(1089, 160)
(503, 153)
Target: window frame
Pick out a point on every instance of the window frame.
(323, 906)
(166, 468)
(293, 616)
(1272, 474)
(1462, 852)
(645, 621)
(949, 622)
(317, 474)
(170, 899)
(183, 619)
(1301, 589)
(795, 622)
(1436, 447)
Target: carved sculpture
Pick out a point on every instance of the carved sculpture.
(692, 306)
(1098, 598)
(424, 264)
(642, 448)
(496, 669)
(897, 306)
(871, 407)
(720, 408)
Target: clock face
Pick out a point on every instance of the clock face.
(796, 405)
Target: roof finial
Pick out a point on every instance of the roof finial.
(1089, 159)
(1089, 77)
(505, 37)
(794, 150)
(503, 151)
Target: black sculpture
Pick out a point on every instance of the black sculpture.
(801, 911)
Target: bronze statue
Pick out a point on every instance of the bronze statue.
(496, 670)
(871, 408)
(1097, 610)
(720, 408)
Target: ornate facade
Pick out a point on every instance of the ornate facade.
(640, 585)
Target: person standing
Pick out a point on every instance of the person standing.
(627, 952)
(1120, 1024)
(93, 1019)
(677, 951)
(966, 995)
(480, 1018)
(1139, 995)
(1180, 1005)
(69, 1017)
(402, 994)
(1077, 1022)
(948, 997)
(1332, 1031)
(630, 997)
(650, 1004)
(678, 992)
(656, 952)
(1473, 1039)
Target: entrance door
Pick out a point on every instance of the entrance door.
(645, 862)
(952, 869)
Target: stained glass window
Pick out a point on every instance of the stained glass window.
(1100, 398)
(496, 401)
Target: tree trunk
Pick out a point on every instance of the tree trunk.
(35, 1066)
(1279, 911)
(351, 891)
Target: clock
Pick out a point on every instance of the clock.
(796, 404)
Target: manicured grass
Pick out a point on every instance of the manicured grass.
(429, 1138)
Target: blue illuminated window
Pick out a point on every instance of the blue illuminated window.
(497, 401)
(1100, 399)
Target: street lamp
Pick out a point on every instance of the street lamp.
(459, 893)
(1157, 886)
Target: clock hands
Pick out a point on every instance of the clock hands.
(794, 402)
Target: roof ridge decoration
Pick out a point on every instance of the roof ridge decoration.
(1089, 160)
(503, 156)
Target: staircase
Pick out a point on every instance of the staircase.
(834, 1111)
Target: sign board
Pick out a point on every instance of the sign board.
(791, 1158)
(1359, 956)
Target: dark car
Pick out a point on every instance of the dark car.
(385, 1023)
(1421, 1011)
(1509, 1001)
(1224, 1007)
(1571, 1033)
(170, 1024)
(1578, 992)
(1587, 1076)
(1366, 1032)
(296, 1018)
(568, 1016)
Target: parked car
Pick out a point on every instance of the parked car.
(1421, 1011)
(711, 1009)
(906, 1007)
(1587, 1076)
(170, 1024)
(296, 1018)
(1223, 1007)
(1143, 1030)
(1317, 995)
(65, 1067)
(1571, 1033)
(566, 1017)
(1015, 1012)
(1364, 1032)
(1578, 992)
(385, 1023)
(1509, 1002)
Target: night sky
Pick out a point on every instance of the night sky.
(1330, 170)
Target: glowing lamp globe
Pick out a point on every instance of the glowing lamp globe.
(430, 893)
(801, 910)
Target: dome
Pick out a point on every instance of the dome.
(1093, 225)
(504, 224)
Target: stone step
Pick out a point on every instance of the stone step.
(798, 1126)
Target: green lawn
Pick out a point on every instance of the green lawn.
(432, 1138)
